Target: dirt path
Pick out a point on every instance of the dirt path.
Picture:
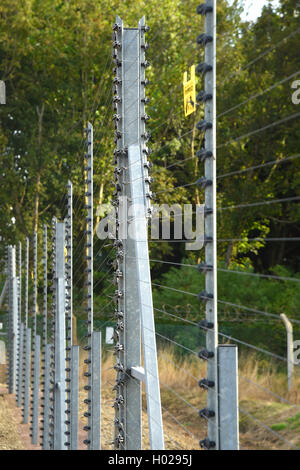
(13, 434)
(16, 436)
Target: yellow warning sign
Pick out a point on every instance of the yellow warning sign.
(189, 92)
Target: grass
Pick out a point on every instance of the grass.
(181, 399)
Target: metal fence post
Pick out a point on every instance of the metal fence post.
(25, 321)
(27, 373)
(35, 391)
(21, 364)
(228, 396)
(53, 333)
(14, 330)
(46, 398)
(126, 46)
(74, 396)
(19, 349)
(290, 349)
(60, 343)
(208, 156)
(45, 350)
(89, 277)
(34, 330)
(138, 229)
(69, 312)
(96, 390)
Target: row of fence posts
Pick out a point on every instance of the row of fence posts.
(43, 369)
(133, 297)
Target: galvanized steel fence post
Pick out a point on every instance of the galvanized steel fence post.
(69, 315)
(26, 359)
(45, 356)
(34, 371)
(35, 390)
(13, 320)
(128, 405)
(208, 156)
(91, 413)
(27, 374)
(60, 342)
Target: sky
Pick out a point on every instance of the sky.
(253, 8)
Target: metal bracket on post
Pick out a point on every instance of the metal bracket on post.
(138, 230)
(60, 343)
(208, 126)
(228, 397)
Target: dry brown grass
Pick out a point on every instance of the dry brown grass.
(178, 380)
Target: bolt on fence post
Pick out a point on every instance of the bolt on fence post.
(89, 278)
(128, 404)
(27, 362)
(290, 349)
(96, 390)
(208, 156)
(74, 396)
(69, 309)
(35, 391)
(228, 397)
(60, 342)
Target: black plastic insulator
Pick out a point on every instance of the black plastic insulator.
(146, 28)
(205, 296)
(203, 154)
(205, 383)
(204, 39)
(87, 428)
(203, 125)
(205, 355)
(204, 268)
(207, 444)
(206, 413)
(117, 27)
(203, 9)
(205, 324)
(204, 182)
(203, 97)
